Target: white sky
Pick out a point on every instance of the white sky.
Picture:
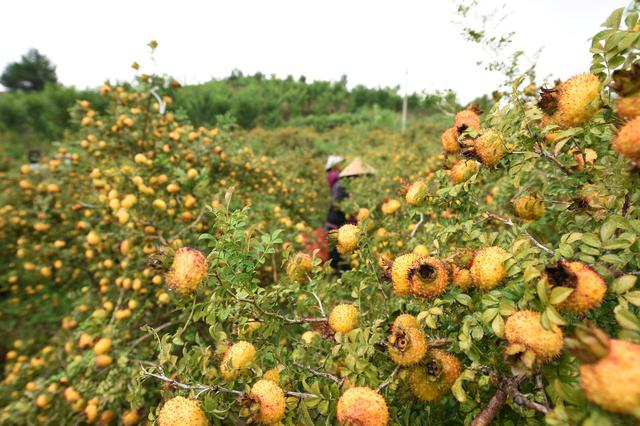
(373, 42)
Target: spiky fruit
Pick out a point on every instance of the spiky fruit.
(179, 411)
(400, 273)
(416, 193)
(463, 170)
(272, 374)
(487, 268)
(627, 143)
(343, 318)
(421, 250)
(490, 147)
(347, 238)
(588, 286)
(449, 140)
(528, 207)
(188, 271)
(390, 206)
(299, 267)
(429, 277)
(628, 107)
(405, 321)
(466, 119)
(237, 359)
(407, 346)
(461, 277)
(269, 398)
(524, 328)
(578, 100)
(433, 379)
(362, 406)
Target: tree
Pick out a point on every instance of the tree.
(33, 72)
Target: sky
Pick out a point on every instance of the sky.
(373, 42)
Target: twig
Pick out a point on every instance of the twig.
(509, 222)
(386, 382)
(324, 315)
(191, 225)
(436, 343)
(329, 376)
(146, 336)
(544, 154)
(117, 307)
(522, 399)
(274, 268)
(198, 387)
(417, 226)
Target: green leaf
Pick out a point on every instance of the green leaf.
(626, 319)
(623, 284)
(607, 230)
(631, 20)
(591, 240)
(489, 315)
(463, 299)
(559, 294)
(541, 289)
(554, 316)
(633, 297)
(613, 21)
(498, 325)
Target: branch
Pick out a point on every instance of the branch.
(146, 336)
(386, 382)
(317, 373)
(418, 225)
(436, 343)
(522, 399)
(198, 387)
(324, 315)
(544, 154)
(492, 409)
(509, 222)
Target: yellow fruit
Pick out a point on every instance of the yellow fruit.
(627, 143)
(628, 107)
(347, 238)
(405, 321)
(85, 341)
(417, 192)
(466, 119)
(400, 273)
(130, 418)
(102, 346)
(309, 336)
(363, 214)
(449, 140)
(237, 360)
(524, 328)
(487, 268)
(421, 250)
(461, 277)
(300, 267)
(362, 406)
(272, 374)
(106, 417)
(390, 206)
(343, 318)
(407, 346)
(103, 361)
(179, 411)
(269, 399)
(588, 287)
(578, 100)
(528, 207)
(42, 401)
(93, 238)
(463, 170)
(91, 411)
(490, 148)
(429, 277)
(188, 271)
(433, 379)
(613, 382)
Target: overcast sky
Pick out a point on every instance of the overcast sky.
(373, 42)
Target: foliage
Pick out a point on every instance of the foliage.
(32, 73)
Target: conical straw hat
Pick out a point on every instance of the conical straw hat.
(356, 168)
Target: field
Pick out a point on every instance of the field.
(161, 265)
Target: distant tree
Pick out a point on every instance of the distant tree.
(32, 73)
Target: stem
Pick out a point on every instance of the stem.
(146, 336)
(199, 387)
(509, 222)
(386, 382)
(317, 373)
(417, 227)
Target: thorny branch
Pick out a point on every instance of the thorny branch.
(509, 222)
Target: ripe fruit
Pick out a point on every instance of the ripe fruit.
(463, 170)
(466, 119)
(343, 318)
(487, 268)
(299, 267)
(416, 193)
(362, 406)
(407, 345)
(461, 277)
(628, 107)
(390, 206)
(130, 418)
(400, 273)
(269, 398)
(627, 143)
(188, 271)
(523, 328)
(179, 411)
(490, 148)
(588, 287)
(578, 100)
(432, 380)
(272, 374)
(237, 359)
(347, 238)
(405, 321)
(429, 277)
(421, 250)
(102, 346)
(103, 361)
(528, 207)
(449, 140)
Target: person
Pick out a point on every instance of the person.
(335, 216)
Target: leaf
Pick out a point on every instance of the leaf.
(489, 315)
(591, 240)
(559, 295)
(498, 325)
(607, 229)
(541, 289)
(633, 297)
(623, 284)
(554, 316)
(613, 21)
(463, 299)
(626, 319)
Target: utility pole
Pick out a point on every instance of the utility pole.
(404, 101)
